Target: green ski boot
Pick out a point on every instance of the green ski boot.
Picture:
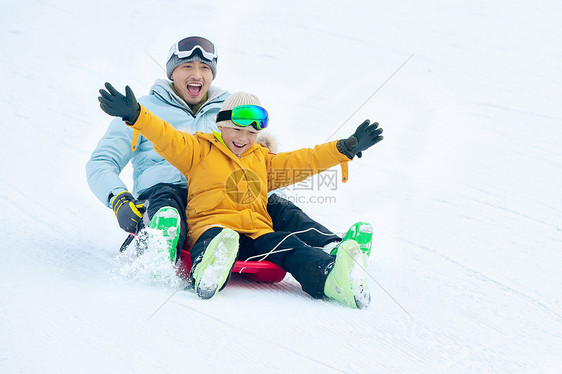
(213, 271)
(167, 221)
(362, 233)
(346, 281)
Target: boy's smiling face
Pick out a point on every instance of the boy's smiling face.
(238, 140)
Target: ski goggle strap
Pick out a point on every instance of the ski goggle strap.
(246, 115)
(185, 48)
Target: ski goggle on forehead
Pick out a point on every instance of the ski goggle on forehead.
(185, 48)
(246, 115)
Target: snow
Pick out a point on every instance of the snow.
(463, 192)
(147, 261)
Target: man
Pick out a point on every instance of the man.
(190, 103)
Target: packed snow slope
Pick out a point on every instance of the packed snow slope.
(464, 191)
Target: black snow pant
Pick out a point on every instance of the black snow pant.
(308, 265)
(288, 217)
(168, 195)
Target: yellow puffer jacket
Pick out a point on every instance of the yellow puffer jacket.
(224, 190)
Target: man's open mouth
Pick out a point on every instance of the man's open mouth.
(194, 89)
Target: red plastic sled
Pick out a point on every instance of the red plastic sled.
(258, 271)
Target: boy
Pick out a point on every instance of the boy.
(228, 178)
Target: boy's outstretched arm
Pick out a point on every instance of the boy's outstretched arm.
(321, 157)
(178, 148)
(366, 135)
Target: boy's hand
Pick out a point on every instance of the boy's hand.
(115, 104)
(364, 137)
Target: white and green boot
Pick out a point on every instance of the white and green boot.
(346, 281)
(362, 233)
(167, 221)
(214, 269)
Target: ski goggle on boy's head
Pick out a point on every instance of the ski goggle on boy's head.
(246, 115)
(186, 47)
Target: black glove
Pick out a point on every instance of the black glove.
(364, 137)
(115, 104)
(128, 211)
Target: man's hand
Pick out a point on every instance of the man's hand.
(115, 104)
(128, 211)
(364, 137)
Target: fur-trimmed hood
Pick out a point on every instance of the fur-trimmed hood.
(267, 140)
